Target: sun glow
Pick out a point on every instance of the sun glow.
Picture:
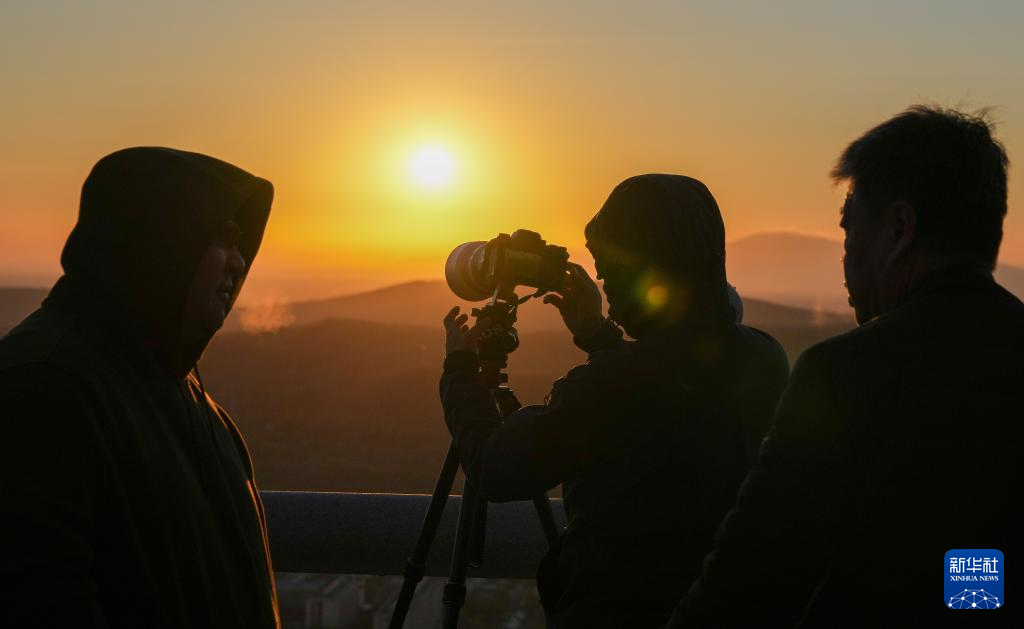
(432, 167)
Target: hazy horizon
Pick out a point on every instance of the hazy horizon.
(783, 267)
(299, 288)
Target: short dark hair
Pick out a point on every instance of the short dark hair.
(946, 164)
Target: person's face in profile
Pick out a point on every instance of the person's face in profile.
(219, 272)
(619, 286)
(609, 284)
(863, 259)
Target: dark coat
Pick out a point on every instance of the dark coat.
(650, 440)
(893, 444)
(128, 496)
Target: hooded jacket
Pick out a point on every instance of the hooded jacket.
(649, 439)
(128, 494)
(666, 231)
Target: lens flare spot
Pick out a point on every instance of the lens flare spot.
(657, 296)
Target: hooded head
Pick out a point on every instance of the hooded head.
(659, 245)
(147, 217)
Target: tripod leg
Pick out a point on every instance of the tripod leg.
(416, 565)
(547, 518)
(478, 534)
(455, 588)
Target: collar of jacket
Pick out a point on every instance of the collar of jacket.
(951, 278)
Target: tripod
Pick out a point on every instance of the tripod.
(472, 521)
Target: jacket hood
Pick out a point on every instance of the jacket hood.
(147, 216)
(662, 232)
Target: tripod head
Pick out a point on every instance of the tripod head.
(498, 341)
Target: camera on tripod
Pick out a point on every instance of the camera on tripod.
(476, 270)
(481, 270)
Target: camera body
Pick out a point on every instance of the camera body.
(477, 270)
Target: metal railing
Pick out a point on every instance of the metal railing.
(347, 533)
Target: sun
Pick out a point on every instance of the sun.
(432, 166)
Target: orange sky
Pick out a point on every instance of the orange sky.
(543, 109)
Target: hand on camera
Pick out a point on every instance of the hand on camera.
(459, 335)
(579, 303)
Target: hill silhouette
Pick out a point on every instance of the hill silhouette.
(424, 302)
(789, 268)
(343, 394)
(1012, 279)
(16, 303)
(351, 405)
(770, 269)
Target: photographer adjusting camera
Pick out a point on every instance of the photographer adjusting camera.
(649, 438)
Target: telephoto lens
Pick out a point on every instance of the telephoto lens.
(464, 272)
(475, 270)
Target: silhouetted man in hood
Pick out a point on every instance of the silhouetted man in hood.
(128, 494)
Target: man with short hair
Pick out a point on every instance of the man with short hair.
(897, 441)
(128, 496)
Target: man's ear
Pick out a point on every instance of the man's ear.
(902, 229)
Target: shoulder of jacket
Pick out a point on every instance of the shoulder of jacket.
(47, 336)
(769, 350)
(863, 339)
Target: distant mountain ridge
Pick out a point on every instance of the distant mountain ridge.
(16, 303)
(770, 269)
(424, 303)
(789, 268)
(348, 403)
(351, 405)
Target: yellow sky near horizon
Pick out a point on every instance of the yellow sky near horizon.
(542, 108)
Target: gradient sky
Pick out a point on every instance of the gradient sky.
(544, 107)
